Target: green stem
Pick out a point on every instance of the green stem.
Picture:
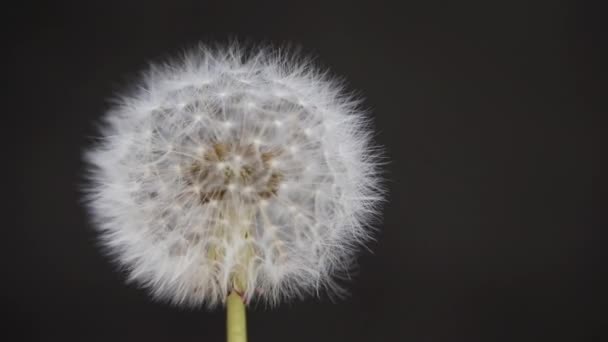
(236, 323)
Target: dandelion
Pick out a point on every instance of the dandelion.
(234, 175)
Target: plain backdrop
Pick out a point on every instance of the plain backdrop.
(491, 115)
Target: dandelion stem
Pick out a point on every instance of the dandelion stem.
(236, 323)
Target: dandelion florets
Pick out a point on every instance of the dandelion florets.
(234, 171)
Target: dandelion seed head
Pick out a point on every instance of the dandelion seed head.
(234, 170)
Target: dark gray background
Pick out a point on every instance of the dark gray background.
(491, 115)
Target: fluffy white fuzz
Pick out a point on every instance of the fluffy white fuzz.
(234, 170)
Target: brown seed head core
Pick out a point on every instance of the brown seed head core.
(226, 169)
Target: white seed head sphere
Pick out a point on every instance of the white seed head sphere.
(235, 170)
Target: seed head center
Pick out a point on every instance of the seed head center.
(244, 172)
